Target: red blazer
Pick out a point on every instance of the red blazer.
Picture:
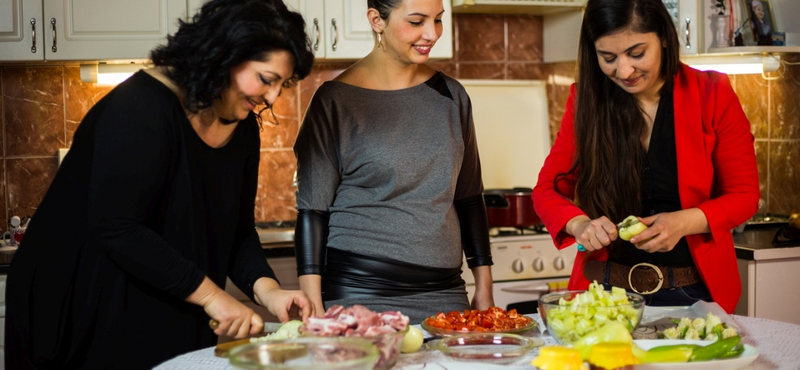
(716, 173)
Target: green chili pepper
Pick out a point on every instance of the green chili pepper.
(715, 350)
(735, 351)
(671, 353)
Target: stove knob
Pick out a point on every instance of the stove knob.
(559, 263)
(538, 264)
(517, 266)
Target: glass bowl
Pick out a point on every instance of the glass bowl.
(388, 345)
(497, 348)
(306, 354)
(568, 323)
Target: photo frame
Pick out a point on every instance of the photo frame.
(762, 21)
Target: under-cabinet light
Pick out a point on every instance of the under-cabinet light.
(736, 64)
(108, 74)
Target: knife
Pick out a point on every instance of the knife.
(269, 327)
(222, 349)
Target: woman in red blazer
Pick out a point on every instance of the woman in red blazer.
(645, 135)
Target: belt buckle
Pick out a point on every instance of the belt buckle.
(650, 265)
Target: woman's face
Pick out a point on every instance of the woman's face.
(412, 29)
(632, 60)
(254, 83)
(758, 10)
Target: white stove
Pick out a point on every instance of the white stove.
(526, 266)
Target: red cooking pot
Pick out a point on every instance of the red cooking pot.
(510, 208)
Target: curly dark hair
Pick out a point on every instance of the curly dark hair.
(225, 34)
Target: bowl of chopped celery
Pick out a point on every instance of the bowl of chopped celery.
(569, 315)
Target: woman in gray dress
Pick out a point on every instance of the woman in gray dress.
(389, 182)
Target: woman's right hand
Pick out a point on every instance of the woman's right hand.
(233, 317)
(312, 286)
(592, 234)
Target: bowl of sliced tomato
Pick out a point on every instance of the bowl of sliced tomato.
(492, 320)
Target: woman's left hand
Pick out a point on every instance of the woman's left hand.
(284, 304)
(666, 229)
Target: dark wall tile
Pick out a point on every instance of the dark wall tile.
(3, 193)
(44, 85)
(784, 179)
(753, 94)
(27, 181)
(480, 37)
(525, 38)
(785, 104)
(490, 71)
(275, 199)
(282, 135)
(79, 97)
(762, 161)
(525, 71)
(449, 67)
(33, 129)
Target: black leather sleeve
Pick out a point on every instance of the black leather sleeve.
(310, 240)
(474, 230)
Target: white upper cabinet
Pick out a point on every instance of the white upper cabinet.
(35, 30)
(686, 16)
(339, 30)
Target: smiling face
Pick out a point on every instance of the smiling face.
(632, 60)
(412, 29)
(758, 10)
(254, 83)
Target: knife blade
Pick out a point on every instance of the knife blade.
(222, 349)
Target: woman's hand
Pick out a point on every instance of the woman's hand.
(592, 234)
(483, 297)
(312, 286)
(234, 318)
(284, 304)
(666, 229)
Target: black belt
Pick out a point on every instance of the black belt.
(642, 278)
(350, 275)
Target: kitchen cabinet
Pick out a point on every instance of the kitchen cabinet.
(339, 29)
(48, 30)
(768, 276)
(686, 17)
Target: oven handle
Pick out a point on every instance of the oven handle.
(536, 288)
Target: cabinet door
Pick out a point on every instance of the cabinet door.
(444, 47)
(313, 12)
(108, 29)
(21, 30)
(689, 26)
(347, 31)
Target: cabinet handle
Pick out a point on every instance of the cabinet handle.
(316, 33)
(33, 35)
(53, 22)
(687, 32)
(335, 34)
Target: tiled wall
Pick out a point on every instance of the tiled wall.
(42, 104)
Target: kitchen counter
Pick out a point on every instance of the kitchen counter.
(756, 244)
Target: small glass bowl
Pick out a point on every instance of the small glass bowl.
(330, 353)
(496, 348)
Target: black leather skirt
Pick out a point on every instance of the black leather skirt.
(348, 275)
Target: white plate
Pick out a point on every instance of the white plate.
(749, 355)
(452, 365)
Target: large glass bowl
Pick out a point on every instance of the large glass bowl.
(306, 354)
(389, 346)
(568, 323)
(496, 348)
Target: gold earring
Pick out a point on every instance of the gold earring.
(380, 41)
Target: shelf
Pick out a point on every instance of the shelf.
(732, 50)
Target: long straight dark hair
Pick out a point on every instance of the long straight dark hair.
(609, 122)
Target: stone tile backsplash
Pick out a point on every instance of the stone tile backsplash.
(42, 105)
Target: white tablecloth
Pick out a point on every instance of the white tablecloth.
(778, 344)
